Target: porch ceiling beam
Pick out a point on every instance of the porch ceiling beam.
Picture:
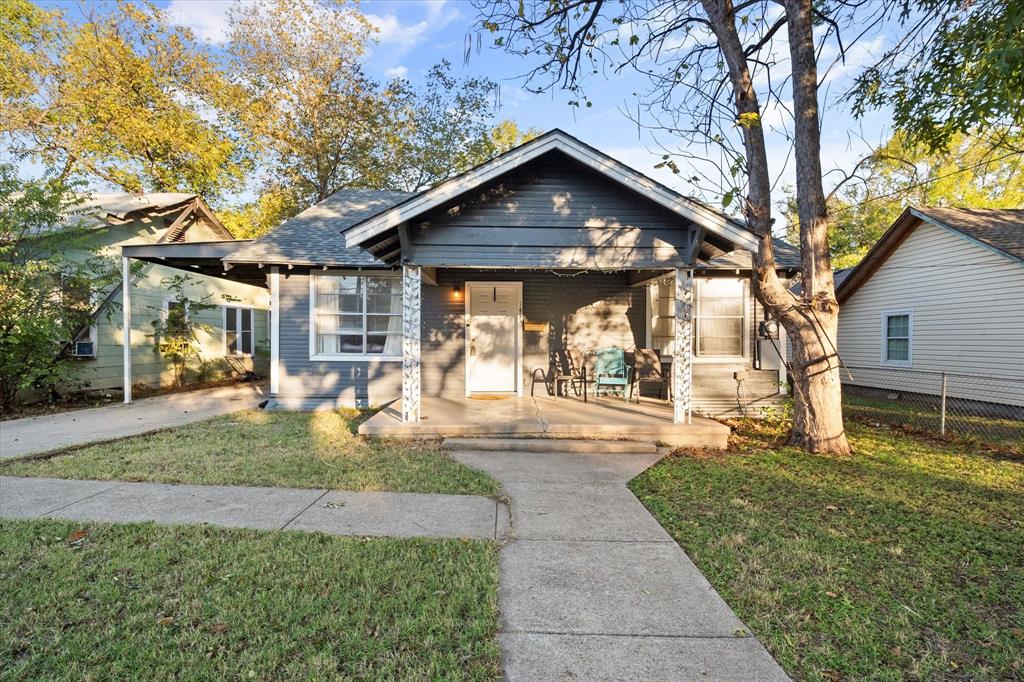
(641, 278)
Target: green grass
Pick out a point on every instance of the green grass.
(904, 561)
(291, 449)
(142, 601)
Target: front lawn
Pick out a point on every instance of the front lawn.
(97, 601)
(905, 561)
(255, 447)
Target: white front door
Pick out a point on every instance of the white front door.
(492, 337)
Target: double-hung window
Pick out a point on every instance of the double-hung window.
(238, 334)
(720, 316)
(897, 330)
(356, 316)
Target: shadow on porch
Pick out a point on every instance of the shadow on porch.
(540, 417)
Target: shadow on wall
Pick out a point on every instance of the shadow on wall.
(584, 311)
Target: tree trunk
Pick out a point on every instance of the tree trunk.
(815, 354)
(817, 407)
(810, 321)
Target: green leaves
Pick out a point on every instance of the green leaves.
(49, 281)
(968, 78)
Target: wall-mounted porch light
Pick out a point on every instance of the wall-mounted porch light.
(457, 291)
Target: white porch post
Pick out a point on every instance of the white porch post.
(411, 304)
(126, 321)
(682, 367)
(275, 329)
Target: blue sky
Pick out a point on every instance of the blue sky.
(415, 34)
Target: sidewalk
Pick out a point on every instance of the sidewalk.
(33, 435)
(593, 588)
(334, 512)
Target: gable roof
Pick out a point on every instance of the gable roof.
(97, 209)
(554, 140)
(999, 230)
(311, 237)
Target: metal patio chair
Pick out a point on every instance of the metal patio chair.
(564, 367)
(647, 368)
(611, 371)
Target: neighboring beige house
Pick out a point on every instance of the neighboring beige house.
(238, 325)
(941, 292)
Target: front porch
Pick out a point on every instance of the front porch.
(544, 416)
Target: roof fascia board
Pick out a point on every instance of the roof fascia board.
(879, 253)
(595, 160)
(966, 237)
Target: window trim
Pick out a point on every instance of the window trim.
(166, 305)
(698, 284)
(344, 357)
(884, 338)
(238, 308)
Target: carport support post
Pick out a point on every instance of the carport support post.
(275, 330)
(126, 321)
(411, 303)
(682, 354)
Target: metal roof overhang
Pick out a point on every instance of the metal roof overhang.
(204, 258)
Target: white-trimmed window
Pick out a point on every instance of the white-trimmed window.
(355, 316)
(173, 304)
(897, 338)
(720, 317)
(239, 338)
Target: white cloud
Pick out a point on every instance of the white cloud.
(391, 30)
(396, 72)
(208, 20)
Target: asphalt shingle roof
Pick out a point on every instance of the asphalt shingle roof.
(786, 256)
(314, 236)
(1000, 228)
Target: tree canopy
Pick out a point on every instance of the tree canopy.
(957, 69)
(123, 96)
(971, 173)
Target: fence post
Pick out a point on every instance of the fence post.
(942, 418)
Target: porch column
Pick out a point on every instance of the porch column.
(411, 304)
(682, 368)
(275, 330)
(126, 321)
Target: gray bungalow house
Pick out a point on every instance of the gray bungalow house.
(464, 290)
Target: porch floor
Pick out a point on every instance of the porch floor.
(551, 417)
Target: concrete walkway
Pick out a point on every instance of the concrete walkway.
(334, 512)
(592, 587)
(44, 433)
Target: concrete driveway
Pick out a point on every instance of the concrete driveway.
(33, 435)
(593, 588)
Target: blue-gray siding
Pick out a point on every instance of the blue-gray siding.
(306, 383)
(551, 213)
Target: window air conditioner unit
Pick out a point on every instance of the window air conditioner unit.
(83, 349)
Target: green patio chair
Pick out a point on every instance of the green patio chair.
(611, 371)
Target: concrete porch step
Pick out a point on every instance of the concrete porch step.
(551, 445)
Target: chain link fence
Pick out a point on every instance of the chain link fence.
(983, 408)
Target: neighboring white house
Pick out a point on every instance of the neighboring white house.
(233, 331)
(941, 292)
